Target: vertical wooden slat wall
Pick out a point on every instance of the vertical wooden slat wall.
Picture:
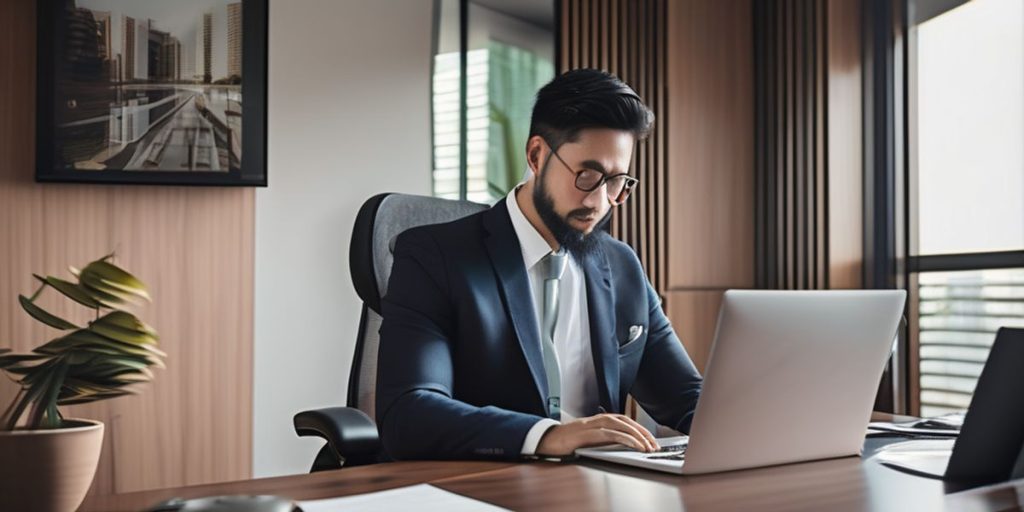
(710, 162)
(627, 38)
(193, 246)
(752, 176)
(791, 164)
(808, 168)
(691, 221)
(844, 160)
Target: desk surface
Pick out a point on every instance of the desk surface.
(325, 484)
(844, 484)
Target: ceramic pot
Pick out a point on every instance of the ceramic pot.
(49, 470)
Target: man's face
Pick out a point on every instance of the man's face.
(571, 214)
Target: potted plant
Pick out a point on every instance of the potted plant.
(48, 460)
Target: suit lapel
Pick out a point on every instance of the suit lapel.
(600, 308)
(506, 256)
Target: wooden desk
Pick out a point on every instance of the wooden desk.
(836, 485)
(848, 484)
(325, 484)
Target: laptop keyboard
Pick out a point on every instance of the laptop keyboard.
(673, 452)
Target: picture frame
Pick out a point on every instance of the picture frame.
(152, 92)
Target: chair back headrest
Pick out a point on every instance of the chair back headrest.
(379, 222)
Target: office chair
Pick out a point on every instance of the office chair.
(350, 432)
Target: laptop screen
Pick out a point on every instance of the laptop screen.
(990, 447)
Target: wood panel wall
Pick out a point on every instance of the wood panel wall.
(192, 246)
(790, 169)
(691, 221)
(711, 159)
(808, 169)
(627, 38)
(845, 144)
(753, 177)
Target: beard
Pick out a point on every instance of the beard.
(580, 244)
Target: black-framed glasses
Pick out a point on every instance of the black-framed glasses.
(588, 180)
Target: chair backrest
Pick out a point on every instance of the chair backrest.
(380, 220)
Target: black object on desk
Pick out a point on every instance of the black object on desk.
(228, 504)
(991, 442)
(990, 445)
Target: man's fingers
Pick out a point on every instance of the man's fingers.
(602, 429)
(629, 427)
(640, 428)
(603, 435)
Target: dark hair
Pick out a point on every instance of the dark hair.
(587, 98)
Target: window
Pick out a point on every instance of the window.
(481, 123)
(966, 191)
(958, 315)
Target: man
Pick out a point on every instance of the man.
(520, 330)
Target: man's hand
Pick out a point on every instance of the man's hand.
(596, 430)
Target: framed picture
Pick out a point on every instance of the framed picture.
(152, 91)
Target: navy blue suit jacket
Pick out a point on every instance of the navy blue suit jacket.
(460, 373)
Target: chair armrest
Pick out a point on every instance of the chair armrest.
(349, 432)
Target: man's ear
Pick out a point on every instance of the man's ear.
(535, 149)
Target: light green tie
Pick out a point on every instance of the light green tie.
(552, 267)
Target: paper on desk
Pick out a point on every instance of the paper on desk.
(902, 428)
(925, 457)
(947, 425)
(415, 497)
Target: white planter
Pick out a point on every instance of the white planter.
(49, 470)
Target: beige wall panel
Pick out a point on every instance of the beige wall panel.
(694, 315)
(710, 145)
(845, 147)
(192, 246)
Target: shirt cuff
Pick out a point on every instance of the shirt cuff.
(536, 432)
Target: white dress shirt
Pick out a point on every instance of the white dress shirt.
(579, 396)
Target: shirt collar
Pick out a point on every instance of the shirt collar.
(533, 245)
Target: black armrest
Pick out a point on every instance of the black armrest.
(350, 433)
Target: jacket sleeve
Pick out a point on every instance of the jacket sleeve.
(668, 384)
(416, 413)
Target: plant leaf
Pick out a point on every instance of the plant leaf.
(126, 321)
(87, 340)
(124, 327)
(79, 391)
(71, 291)
(110, 297)
(103, 360)
(113, 279)
(7, 360)
(122, 335)
(30, 396)
(44, 316)
(115, 363)
(117, 277)
(46, 415)
(104, 351)
(24, 365)
(45, 391)
(94, 397)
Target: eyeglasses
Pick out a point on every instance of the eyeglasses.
(588, 180)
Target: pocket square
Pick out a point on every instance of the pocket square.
(634, 333)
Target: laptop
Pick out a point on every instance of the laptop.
(990, 447)
(792, 377)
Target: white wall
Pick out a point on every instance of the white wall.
(487, 24)
(349, 116)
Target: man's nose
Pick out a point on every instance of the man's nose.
(596, 197)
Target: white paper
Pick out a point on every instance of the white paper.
(898, 428)
(415, 497)
(945, 425)
(925, 457)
